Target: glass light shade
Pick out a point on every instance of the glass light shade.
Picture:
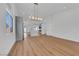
(41, 19)
(35, 18)
(29, 17)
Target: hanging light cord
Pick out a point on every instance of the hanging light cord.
(35, 11)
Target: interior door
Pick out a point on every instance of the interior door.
(19, 28)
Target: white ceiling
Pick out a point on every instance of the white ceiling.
(44, 9)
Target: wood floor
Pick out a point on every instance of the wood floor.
(45, 46)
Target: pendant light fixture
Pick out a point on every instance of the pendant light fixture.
(35, 11)
(35, 16)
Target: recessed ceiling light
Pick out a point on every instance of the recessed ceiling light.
(65, 7)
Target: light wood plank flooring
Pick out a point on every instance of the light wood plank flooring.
(45, 46)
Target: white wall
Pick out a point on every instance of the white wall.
(6, 39)
(64, 25)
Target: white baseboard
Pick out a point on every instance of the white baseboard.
(5, 53)
(64, 37)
